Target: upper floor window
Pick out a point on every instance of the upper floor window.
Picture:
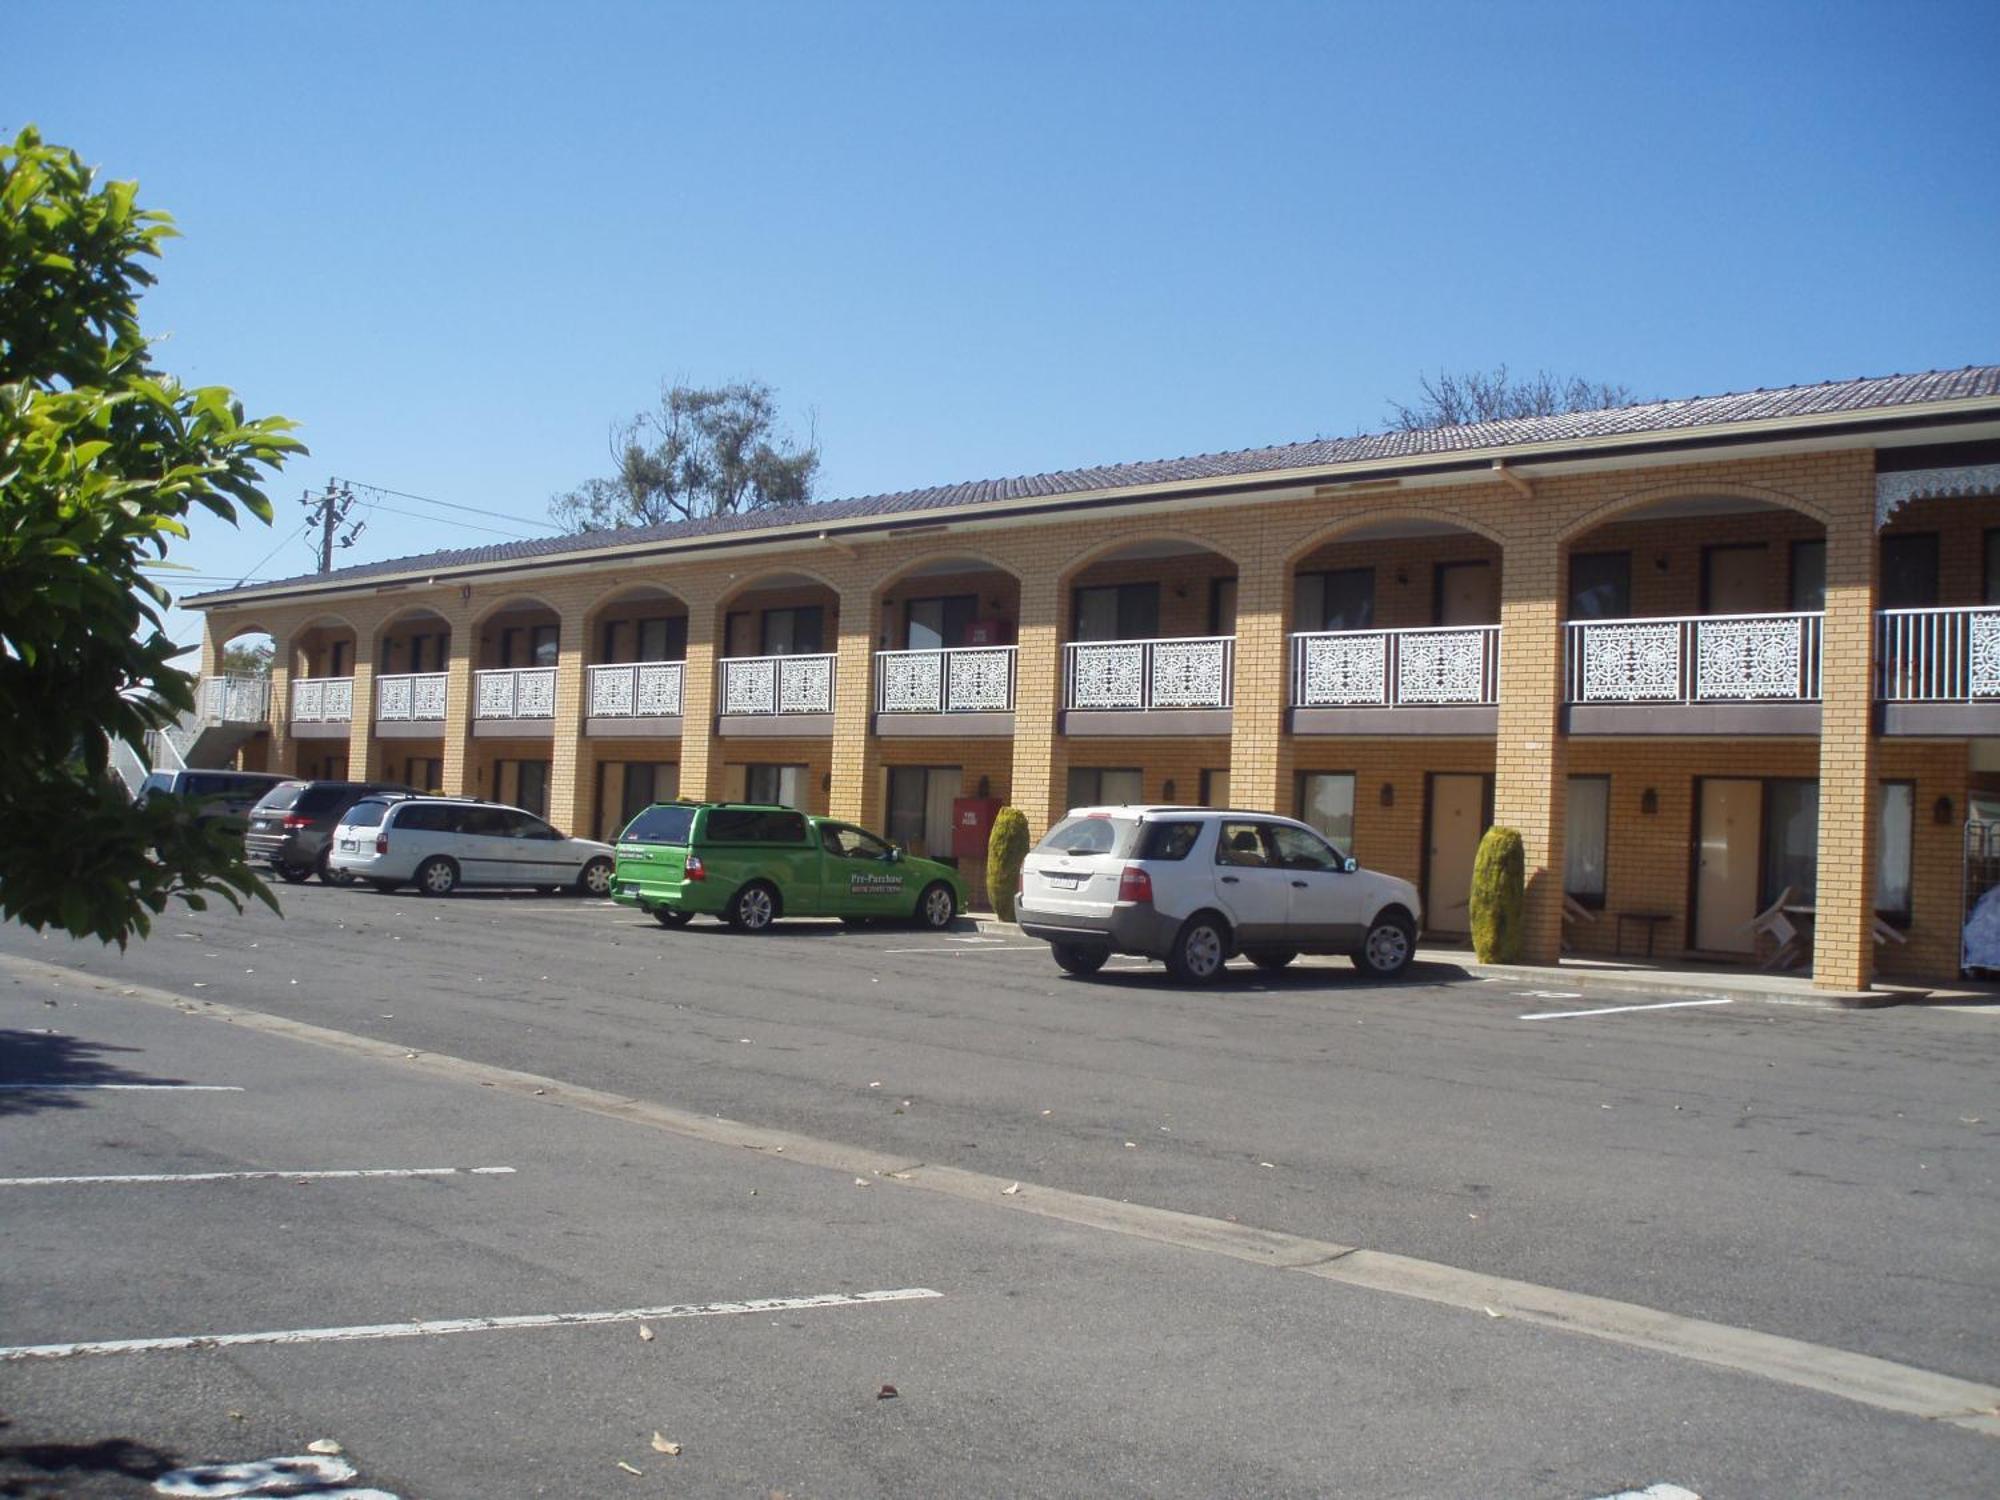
(1117, 612)
(1600, 586)
(1341, 599)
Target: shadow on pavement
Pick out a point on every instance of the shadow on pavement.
(46, 1471)
(36, 1058)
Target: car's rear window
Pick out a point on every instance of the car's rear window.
(282, 797)
(660, 825)
(754, 825)
(430, 817)
(365, 814)
(1166, 840)
(1090, 833)
(320, 799)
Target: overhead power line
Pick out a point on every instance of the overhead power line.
(390, 510)
(474, 510)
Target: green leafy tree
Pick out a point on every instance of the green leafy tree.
(1006, 848)
(102, 458)
(247, 661)
(1499, 896)
(703, 452)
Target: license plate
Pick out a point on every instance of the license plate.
(1064, 882)
(347, 843)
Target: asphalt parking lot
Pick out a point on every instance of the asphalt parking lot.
(1037, 1345)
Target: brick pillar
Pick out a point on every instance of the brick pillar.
(572, 773)
(1258, 748)
(280, 712)
(458, 768)
(1843, 926)
(701, 765)
(1529, 757)
(1041, 755)
(361, 727)
(857, 755)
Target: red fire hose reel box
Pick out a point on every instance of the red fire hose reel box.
(971, 826)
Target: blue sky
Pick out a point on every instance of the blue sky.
(454, 242)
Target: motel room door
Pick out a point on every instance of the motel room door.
(1728, 845)
(1458, 810)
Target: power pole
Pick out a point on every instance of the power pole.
(329, 512)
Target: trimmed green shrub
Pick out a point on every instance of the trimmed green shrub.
(1499, 892)
(1005, 850)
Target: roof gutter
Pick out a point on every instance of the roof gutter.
(1497, 462)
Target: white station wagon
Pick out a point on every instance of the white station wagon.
(441, 843)
(1193, 886)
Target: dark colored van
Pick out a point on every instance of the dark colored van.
(291, 829)
(226, 797)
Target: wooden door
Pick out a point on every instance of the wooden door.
(1467, 594)
(1728, 840)
(1735, 581)
(1456, 817)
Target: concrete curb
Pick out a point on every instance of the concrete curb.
(1774, 990)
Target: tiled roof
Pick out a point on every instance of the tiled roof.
(1651, 417)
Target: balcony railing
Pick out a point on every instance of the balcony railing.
(639, 689)
(515, 693)
(322, 700)
(1937, 655)
(234, 700)
(1704, 659)
(961, 680)
(777, 684)
(1396, 668)
(1191, 672)
(410, 696)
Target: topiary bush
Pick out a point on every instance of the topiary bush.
(1005, 850)
(1499, 893)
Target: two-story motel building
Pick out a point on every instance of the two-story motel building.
(1707, 655)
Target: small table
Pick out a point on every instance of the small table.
(1649, 920)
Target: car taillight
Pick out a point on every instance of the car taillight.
(293, 820)
(695, 869)
(381, 843)
(1134, 884)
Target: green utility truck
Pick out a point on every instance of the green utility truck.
(749, 865)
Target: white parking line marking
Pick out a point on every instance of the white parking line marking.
(9, 1355)
(1613, 1010)
(962, 952)
(135, 1088)
(317, 1176)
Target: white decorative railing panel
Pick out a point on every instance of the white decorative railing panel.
(1455, 667)
(515, 693)
(235, 700)
(410, 696)
(647, 689)
(963, 679)
(1193, 672)
(1697, 659)
(1947, 655)
(777, 684)
(322, 700)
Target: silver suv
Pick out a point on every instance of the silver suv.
(1194, 886)
(441, 843)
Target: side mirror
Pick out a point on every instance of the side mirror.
(895, 855)
(1349, 865)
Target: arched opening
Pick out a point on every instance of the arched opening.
(778, 633)
(945, 645)
(233, 704)
(1692, 635)
(636, 647)
(412, 648)
(1149, 625)
(321, 694)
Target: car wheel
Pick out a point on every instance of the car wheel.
(1390, 945)
(596, 878)
(936, 907)
(437, 876)
(328, 874)
(1080, 961)
(666, 916)
(1274, 959)
(1200, 950)
(294, 874)
(755, 907)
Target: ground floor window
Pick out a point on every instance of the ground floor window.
(1586, 825)
(1215, 789)
(424, 772)
(626, 788)
(920, 799)
(1791, 841)
(1105, 786)
(1895, 836)
(524, 783)
(1326, 801)
(781, 786)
